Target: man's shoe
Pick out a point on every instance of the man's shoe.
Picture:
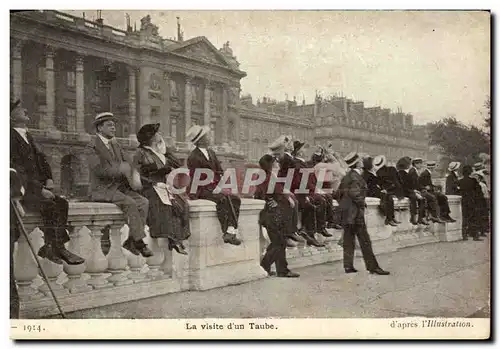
(449, 219)
(477, 239)
(48, 252)
(129, 245)
(379, 271)
(291, 243)
(231, 239)
(413, 220)
(289, 274)
(69, 257)
(465, 238)
(423, 221)
(390, 222)
(350, 270)
(325, 233)
(143, 249)
(296, 237)
(436, 220)
(396, 221)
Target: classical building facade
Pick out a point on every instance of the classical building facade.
(66, 69)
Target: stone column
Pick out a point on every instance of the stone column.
(206, 103)
(132, 106)
(17, 71)
(187, 105)
(165, 117)
(225, 113)
(80, 95)
(47, 120)
(144, 107)
(236, 119)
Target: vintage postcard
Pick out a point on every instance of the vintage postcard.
(250, 174)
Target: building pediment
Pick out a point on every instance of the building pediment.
(201, 49)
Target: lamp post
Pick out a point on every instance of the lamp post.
(105, 77)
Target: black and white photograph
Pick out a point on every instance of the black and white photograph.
(250, 174)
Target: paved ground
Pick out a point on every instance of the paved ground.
(442, 280)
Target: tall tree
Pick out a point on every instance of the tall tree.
(487, 117)
(458, 141)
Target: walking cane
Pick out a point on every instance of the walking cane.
(233, 211)
(23, 231)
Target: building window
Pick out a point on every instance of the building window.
(40, 75)
(71, 79)
(71, 119)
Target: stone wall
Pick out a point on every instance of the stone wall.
(119, 276)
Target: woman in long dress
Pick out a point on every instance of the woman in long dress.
(168, 215)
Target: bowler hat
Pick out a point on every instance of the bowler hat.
(147, 132)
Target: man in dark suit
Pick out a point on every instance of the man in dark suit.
(36, 177)
(470, 190)
(409, 182)
(426, 190)
(16, 193)
(312, 205)
(425, 182)
(380, 186)
(112, 178)
(352, 203)
(452, 179)
(228, 205)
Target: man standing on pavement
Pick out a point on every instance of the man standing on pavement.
(352, 203)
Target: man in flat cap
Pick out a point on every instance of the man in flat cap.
(35, 174)
(352, 203)
(425, 182)
(228, 205)
(112, 179)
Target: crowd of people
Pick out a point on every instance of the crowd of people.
(299, 193)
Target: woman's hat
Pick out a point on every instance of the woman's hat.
(453, 166)
(430, 164)
(195, 133)
(297, 145)
(281, 142)
(379, 161)
(478, 166)
(352, 158)
(147, 132)
(102, 117)
(266, 161)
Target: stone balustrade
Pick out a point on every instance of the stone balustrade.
(120, 276)
(385, 238)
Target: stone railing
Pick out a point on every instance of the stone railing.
(385, 238)
(121, 276)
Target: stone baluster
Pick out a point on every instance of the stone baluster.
(156, 260)
(97, 264)
(167, 265)
(52, 272)
(117, 261)
(76, 282)
(136, 263)
(25, 270)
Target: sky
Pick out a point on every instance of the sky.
(431, 64)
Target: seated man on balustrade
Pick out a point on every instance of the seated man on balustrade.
(452, 187)
(376, 190)
(36, 178)
(409, 183)
(275, 218)
(168, 216)
(112, 179)
(425, 182)
(228, 204)
(432, 206)
(283, 162)
(311, 204)
(390, 184)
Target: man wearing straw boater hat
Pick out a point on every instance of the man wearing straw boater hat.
(452, 187)
(112, 179)
(352, 203)
(35, 176)
(228, 205)
(425, 181)
(381, 188)
(410, 188)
